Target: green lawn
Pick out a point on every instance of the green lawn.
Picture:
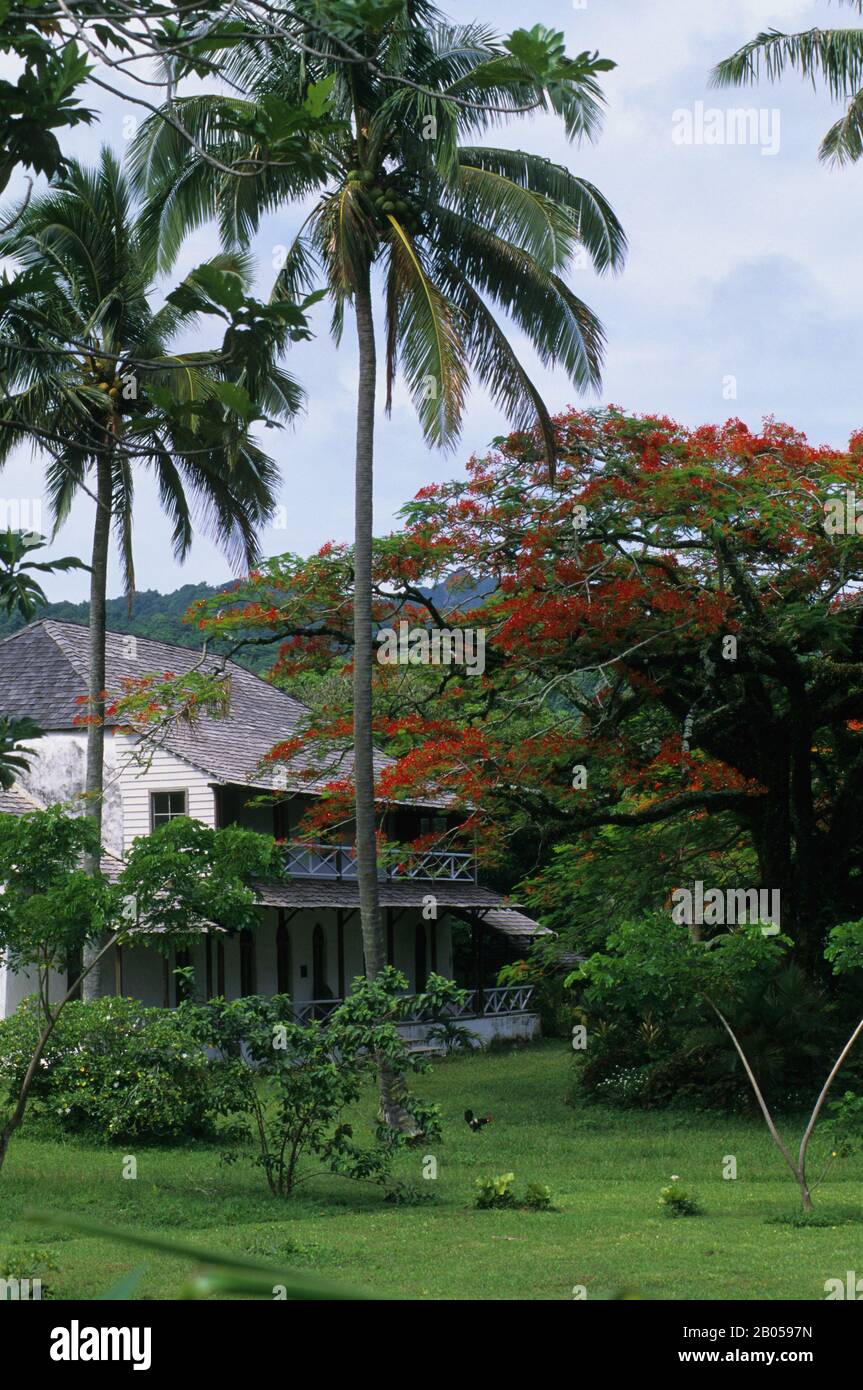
(605, 1168)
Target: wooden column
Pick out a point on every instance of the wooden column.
(390, 936)
(433, 936)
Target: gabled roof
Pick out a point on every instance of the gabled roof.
(17, 802)
(43, 674)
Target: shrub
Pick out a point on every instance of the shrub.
(286, 1112)
(495, 1191)
(453, 1037)
(676, 1200)
(113, 1068)
(537, 1197)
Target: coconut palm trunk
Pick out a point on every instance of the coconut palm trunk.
(392, 1112)
(95, 779)
(364, 775)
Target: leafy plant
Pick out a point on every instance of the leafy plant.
(677, 1200)
(288, 1106)
(494, 1192)
(113, 1069)
(453, 1037)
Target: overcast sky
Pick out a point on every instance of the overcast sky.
(743, 273)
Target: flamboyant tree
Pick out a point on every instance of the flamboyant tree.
(673, 642)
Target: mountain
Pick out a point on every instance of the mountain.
(160, 616)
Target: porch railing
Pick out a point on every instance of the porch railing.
(340, 861)
(485, 1003)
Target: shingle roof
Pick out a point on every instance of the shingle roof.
(469, 897)
(16, 802)
(43, 673)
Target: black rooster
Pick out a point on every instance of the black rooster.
(476, 1122)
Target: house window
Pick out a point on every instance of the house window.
(165, 806)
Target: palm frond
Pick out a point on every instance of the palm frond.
(596, 226)
(428, 330)
(835, 55)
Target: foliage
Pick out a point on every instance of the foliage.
(289, 1104)
(550, 998)
(15, 756)
(453, 1037)
(43, 98)
(49, 908)
(176, 882)
(112, 1069)
(403, 182)
(91, 375)
(677, 1200)
(29, 1262)
(701, 571)
(19, 591)
(831, 56)
(537, 1197)
(495, 1192)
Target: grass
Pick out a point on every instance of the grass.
(605, 1168)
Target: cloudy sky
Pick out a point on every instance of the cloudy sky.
(743, 272)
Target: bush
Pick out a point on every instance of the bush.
(112, 1068)
(654, 1057)
(496, 1192)
(286, 1112)
(676, 1200)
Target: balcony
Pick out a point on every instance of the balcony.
(305, 860)
(485, 1003)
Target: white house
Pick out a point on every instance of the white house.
(308, 943)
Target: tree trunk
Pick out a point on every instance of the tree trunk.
(374, 940)
(93, 981)
(367, 857)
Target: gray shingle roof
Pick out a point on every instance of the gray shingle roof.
(312, 893)
(16, 802)
(43, 673)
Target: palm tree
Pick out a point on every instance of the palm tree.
(834, 56)
(90, 382)
(448, 227)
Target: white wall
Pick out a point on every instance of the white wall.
(157, 771)
(58, 775)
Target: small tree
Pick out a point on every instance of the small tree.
(312, 1073)
(177, 882)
